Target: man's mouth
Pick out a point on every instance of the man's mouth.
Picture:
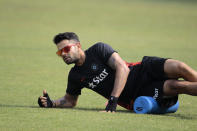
(66, 59)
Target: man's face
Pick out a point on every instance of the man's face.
(69, 51)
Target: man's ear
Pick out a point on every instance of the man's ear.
(79, 45)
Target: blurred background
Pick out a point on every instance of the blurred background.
(135, 28)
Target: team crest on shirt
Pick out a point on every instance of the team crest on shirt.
(94, 67)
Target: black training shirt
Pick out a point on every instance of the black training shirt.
(96, 75)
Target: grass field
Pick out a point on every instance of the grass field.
(28, 63)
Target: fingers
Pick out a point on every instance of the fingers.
(44, 92)
(104, 111)
(43, 101)
(42, 97)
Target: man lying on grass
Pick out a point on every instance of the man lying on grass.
(101, 69)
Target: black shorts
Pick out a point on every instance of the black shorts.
(150, 78)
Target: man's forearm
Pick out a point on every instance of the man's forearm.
(62, 103)
(120, 80)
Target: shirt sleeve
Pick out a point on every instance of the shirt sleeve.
(103, 51)
(73, 87)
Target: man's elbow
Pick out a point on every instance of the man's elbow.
(69, 106)
(125, 69)
(73, 104)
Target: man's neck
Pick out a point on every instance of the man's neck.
(81, 59)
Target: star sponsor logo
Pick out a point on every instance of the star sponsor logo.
(96, 80)
(91, 85)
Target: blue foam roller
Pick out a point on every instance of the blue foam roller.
(146, 104)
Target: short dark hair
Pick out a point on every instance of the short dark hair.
(65, 36)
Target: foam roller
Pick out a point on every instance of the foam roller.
(148, 105)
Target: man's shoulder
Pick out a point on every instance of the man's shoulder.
(101, 50)
(97, 45)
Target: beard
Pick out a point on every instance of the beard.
(69, 60)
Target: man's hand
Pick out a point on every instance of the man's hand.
(112, 104)
(45, 101)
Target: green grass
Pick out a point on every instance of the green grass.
(28, 63)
